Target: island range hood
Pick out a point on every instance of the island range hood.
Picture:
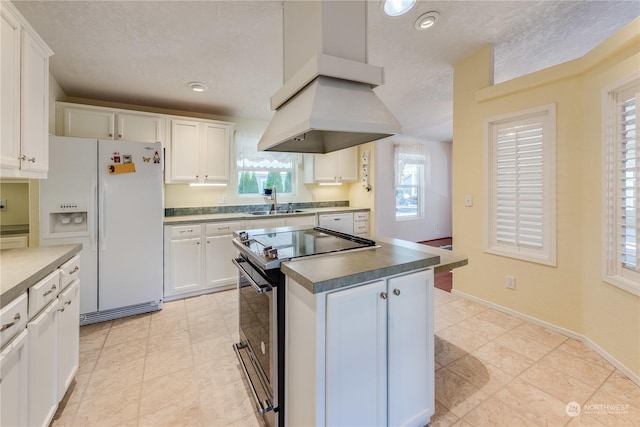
(327, 102)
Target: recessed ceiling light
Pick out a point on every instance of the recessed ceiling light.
(397, 7)
(427, 20)
(197, 86)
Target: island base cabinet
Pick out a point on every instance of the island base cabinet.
(361, 355)
(13, 382)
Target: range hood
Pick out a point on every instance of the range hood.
(327, 102)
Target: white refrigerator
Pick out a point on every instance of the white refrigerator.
(107, 195)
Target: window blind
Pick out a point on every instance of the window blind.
(627, 180)
(519, 185)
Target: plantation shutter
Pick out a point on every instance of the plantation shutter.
(519, 184)
(628, 179)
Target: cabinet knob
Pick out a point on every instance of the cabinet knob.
(396, 291)
(23, 157)
(110, 135)
(383, 295)
(120, 136)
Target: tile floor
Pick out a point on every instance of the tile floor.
(172, 368)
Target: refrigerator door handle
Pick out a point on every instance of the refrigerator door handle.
(101, 213)
(93, 200)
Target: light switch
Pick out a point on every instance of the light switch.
(468, 200)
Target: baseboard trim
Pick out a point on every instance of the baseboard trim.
(566, 332)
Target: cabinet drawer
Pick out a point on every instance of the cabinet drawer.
(13, 318)
(360, 227)
(361, 216)
(69, 271)
(43, 292)
(220, 228)
(186, 231)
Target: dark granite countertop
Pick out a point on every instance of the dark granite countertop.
(22, 268)
(243, 216)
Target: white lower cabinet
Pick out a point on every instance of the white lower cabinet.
(68, 345)
(198, 259)
(14, 381)
(43, 363)
(362, 355)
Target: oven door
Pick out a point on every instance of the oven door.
(257, 349)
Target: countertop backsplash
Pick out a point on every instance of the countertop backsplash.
(210, 210)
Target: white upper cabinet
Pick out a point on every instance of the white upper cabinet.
(199, 151)
(338, 166)
(24, 89)
(108, 123)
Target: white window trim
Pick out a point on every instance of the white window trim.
(420, 187)
(547, 254)
(611, 274)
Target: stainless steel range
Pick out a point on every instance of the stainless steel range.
(262, 314)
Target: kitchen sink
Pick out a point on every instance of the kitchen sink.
(264, 213)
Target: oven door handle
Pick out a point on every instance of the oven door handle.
(259, 289)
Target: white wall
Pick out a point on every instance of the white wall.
(436, 222)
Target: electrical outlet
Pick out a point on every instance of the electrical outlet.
(3, 204)
(222, 199)
(511, 282)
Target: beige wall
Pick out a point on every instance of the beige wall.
(570, 295)
(16, 195)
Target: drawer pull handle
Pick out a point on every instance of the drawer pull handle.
(68, 302)
(53, 288)
(76, 268)
(61, 309)
(16, 318)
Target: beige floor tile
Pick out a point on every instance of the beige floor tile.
(203, 317)
(484, 376)
(203, 332)
(127, 350)
(505, 359)
(65, 416)
(95, 328)
(166, 362)
(535, 404)
(220, 349)
(499, 318)
(494, 413)
(554, 382)
(224, 405)
(441, 297)
(127, 333)
(587, 372)
(247, 421)
(132, 322)
(583, 420)
(614, 409)
(521, 341)
(443, 417)
(184, 413)
(440, 323)
(117, 376)
(576, 348)
(216, 374)
(468, 306)
(93, 341)
(171, 309)
(455, 393)
(116, 408)
(76, 390)
(621, 386)
(163, 325)
(445, 352)
(541, 335)
(462, 338)
(452, 314)
(169, 340)
(482, 327)
(87, 361)
(166, 390)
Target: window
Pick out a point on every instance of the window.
(622, 191)
(520, 185)
(258, 170)
(409, 178)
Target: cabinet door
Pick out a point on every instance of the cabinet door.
(186, 266)
(185, 151)
(68, 336)
(215, 153)
(13, 382)
(356, 349)
(348, 164)
(325, 167)
(9, 90)
(220, 270)
(88, 122)
(139, 127)
(411, 399)
(34, 100)
(42, 366)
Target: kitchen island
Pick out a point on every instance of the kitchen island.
(355, 326)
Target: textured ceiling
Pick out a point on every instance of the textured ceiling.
(145, 52)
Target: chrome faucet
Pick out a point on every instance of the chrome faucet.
(272, 193)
